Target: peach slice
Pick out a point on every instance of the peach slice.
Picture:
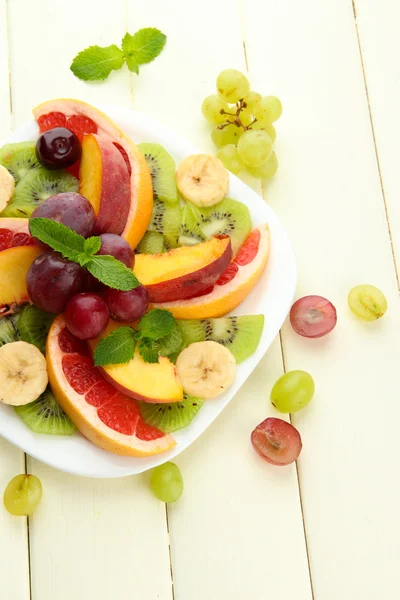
(183, 272)
(105, 182)
(149, 382)
(14, 266)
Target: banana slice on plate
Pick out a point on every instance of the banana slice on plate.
(7, 187)
(202, 179)
(206, 369)
(23, 373)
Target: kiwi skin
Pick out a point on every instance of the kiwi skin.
(173, 416)
(46, 416)
(241, 335)
(8, 330)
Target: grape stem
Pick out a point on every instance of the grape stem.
(237, 121)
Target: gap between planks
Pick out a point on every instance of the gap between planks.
(375, 145)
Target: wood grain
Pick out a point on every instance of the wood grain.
(328, 194)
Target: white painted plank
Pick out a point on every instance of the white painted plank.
(90, 539)
(328, 194)
(14, 564)
(238, 525)
(378, 28)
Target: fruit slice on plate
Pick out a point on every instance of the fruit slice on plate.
(19, 158)
(83, 118)
(14, 232)
(183, 272)
(240, 334)
(149, 382)
(108, 418)
(105, 182)
(14, 266)
(232, 287)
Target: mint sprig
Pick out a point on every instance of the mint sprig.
(75, 248)
(96, 62)
(157, 335)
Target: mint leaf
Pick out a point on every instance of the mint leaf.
(171, 343)
(156, 324)
(118, 347)
(92, 245)
(96, 63)
(148, 350)
(59, 237)
(142, 47)
(112, 272)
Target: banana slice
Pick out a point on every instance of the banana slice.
(23, 373)
(7, 187)
(202, 179)
(206, 369)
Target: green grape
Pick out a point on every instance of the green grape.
(229, 156)
(22, 495)
(227, 135)
(268, 109)
(232, 85)
(268, 128)
(267, 169)
(211, 109)
(293, 391)
(367, 302)
(246, 116)
(254, 148)
(251, 99)
(167, 482)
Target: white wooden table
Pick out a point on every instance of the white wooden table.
(330, 529)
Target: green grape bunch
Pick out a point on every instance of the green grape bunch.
(243, 125)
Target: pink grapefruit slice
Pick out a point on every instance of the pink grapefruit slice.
(107, 417)
(82, 118)
(234, 284)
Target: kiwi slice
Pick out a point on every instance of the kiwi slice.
(227, 217)
(34, 325)
(8, 330)
(162, 170)
(45, 415)
(18, 159)
(38, 185)
(240, 334)
(166, 219)
(152, 243)
(173, 416)
(190, 232)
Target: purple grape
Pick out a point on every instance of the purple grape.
(52, 281)
(86, 316)
(58, 148)
(70, 209)
(114, 245)
(127, 306)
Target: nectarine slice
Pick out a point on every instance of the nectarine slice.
(14, 266)
(105, 182)
(183, 272)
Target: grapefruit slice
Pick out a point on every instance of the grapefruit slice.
(108, 418)
(234, 284)
(15, 232)
(82, 119)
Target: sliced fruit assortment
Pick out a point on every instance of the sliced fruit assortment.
(75, 256)
(234, 284)
(243, 132)
(84, 119)
(107, 417)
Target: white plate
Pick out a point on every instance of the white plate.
(272, 297)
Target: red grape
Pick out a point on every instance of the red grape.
(276, 441)
(86, 316)
(58, 148)
(114, 245)
(70, 209)
(313, 316)
(127, 306)
(52, 281)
